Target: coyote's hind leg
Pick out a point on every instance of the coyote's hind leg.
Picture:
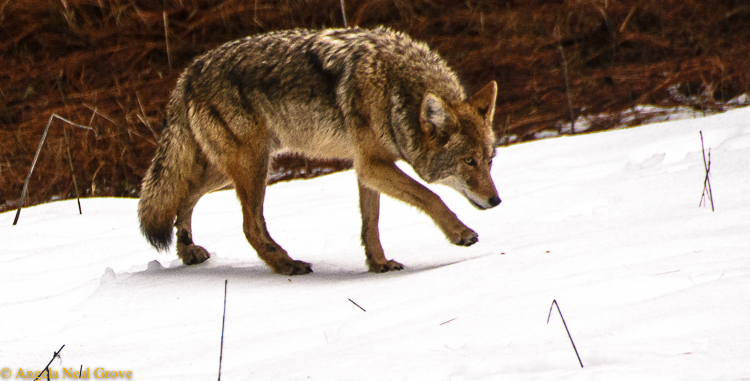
(189, 252)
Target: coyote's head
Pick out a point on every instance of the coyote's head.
(458, 146)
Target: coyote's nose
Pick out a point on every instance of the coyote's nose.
(495, 201)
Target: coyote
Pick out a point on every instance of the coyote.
(370, 96)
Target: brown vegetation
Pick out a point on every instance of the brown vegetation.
(110, 65)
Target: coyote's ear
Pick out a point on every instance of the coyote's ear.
(484, 100)
(433, 115)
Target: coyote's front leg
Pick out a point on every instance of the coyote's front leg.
(387, 178)
(369, 206)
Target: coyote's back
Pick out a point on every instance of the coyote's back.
(370, 96)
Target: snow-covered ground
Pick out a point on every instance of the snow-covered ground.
(652, 286)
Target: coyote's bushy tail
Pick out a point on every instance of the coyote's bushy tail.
(166, 184)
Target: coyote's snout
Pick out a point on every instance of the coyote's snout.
(370, 96)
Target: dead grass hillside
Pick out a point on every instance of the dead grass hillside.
(110, 65)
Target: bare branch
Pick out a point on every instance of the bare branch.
(36, 157)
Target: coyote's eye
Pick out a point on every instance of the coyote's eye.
(470, 162)
(490, 163)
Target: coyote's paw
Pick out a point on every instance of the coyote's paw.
(391, 265)
(465, 237)
(294, 268)
(193, 255)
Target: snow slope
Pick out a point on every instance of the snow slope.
(652, 286)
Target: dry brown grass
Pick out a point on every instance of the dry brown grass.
(109, 65)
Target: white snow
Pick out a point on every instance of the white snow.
(652, 286)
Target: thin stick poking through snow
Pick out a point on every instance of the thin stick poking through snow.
(554, 304)
(707, 180)
(357, 305)
(46, 368)
(223, 319)
(72, 171)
